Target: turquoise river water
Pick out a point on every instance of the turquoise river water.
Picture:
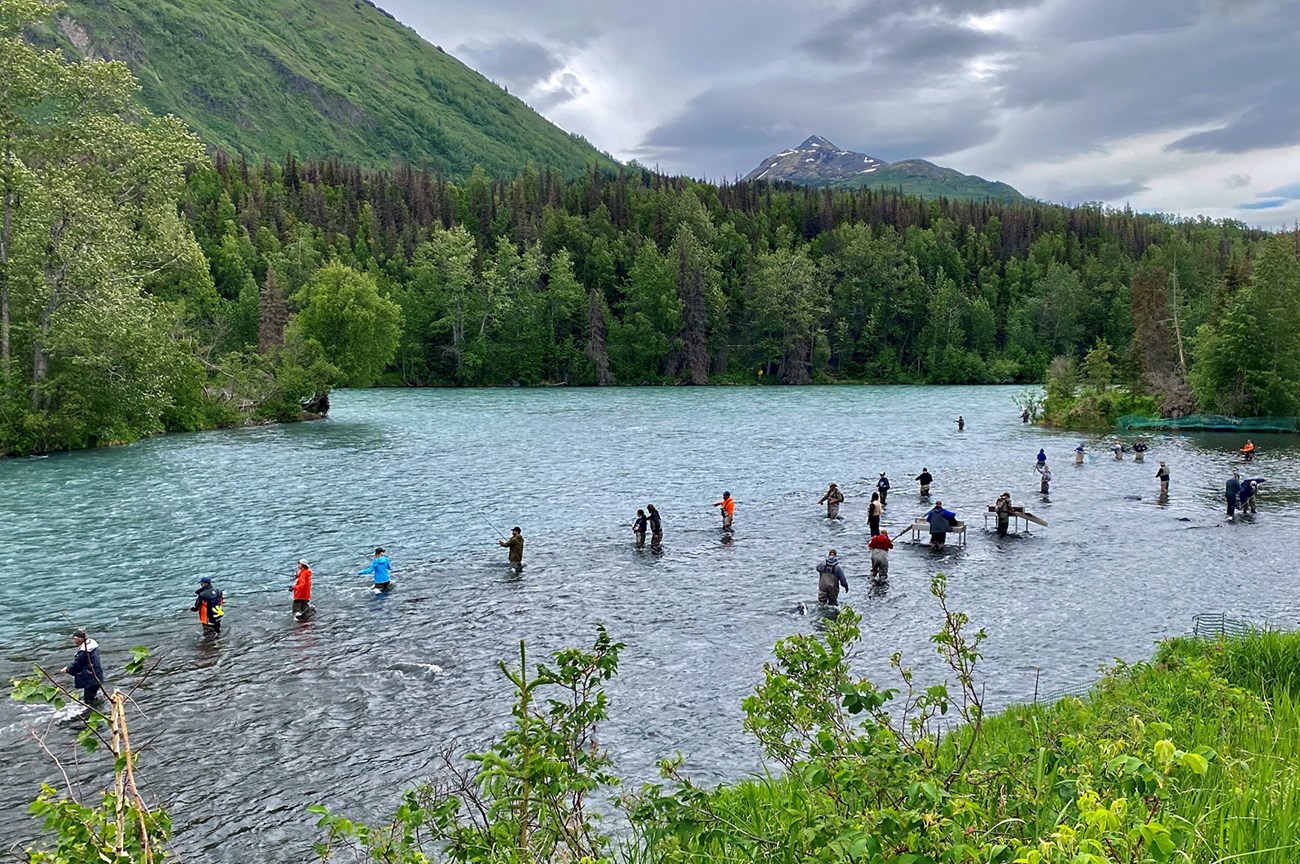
(356, 704)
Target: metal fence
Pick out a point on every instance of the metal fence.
(1206, 625)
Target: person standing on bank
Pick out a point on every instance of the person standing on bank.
(638, 528)
(208, 603)
(301, 589)
(656, 526)
(882, 485)
(832, 499)
(516, 546)
(382, 569)
(925, 480)
(86, 671)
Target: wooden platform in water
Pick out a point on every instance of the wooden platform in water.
(921, 531)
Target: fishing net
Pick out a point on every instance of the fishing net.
(1206, 422)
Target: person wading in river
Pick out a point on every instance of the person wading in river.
(832, 499)
(656, 526)
(830, 579)
(940, 520)
(301, 589)
(880, 546)
(516, 546)
(86, 671)
(728, 511)
(1003, 510)
(1162, 474)
(638, 528)
(381, 568)
(925, 480)
(882, 486)
(208, 602)
(874, 511)
(1231, 490)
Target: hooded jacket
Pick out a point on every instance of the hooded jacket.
(940, 519)
(302, 585)
(207, 602)
(85, 668)
(380, 566)
(832, 566)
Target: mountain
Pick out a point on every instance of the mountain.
(818, 162)
(317, 78)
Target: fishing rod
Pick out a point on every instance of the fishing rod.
(483, 513)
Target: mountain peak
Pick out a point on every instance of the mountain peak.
(818, 162)
(816, 141)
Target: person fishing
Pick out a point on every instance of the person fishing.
(832, 499)
(940, 519)
(1044, 479)
(1079, 453)
(382, 570)
(1162, 474)
(86, 670)
(1248, 451)
(925, 480)
(638, 528)
(874, 511)
(208, 602)
(1024, 416)
(880, 544)
(961, 423)
(1042, 459)
(1231, 490)
(728, 511)
(1139, 450)
(301, 589)
(1118, 449)
(1246, 496)
(656, 526)
(830, 579)
(882, 486)
(1003, 510)
(515, 545)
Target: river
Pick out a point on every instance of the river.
(347, 709)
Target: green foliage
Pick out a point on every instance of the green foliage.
(525, 799)
(343, 312)
(322, 77)
(1248, 363)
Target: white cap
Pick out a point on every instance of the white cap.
(302, 562)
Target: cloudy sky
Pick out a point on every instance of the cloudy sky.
(1184, 106)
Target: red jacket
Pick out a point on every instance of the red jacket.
(302, 585)
(880, 541)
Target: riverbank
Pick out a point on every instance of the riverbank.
(1193, 755)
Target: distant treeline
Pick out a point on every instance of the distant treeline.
(634, 277)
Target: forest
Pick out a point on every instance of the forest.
(147, 285)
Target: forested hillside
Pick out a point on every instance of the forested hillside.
(321, 77)
(635, 278)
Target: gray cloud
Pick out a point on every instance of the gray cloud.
(1273, 122)
(864, 34)
(1101, 191)
(518, 63)
(1237, 181)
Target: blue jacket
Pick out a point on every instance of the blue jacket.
(380, 567)
(1249, 485)
(883, 484)
(1042, 455)
(1232, 487)
(939, 519)
(85, 668)
(832, 565)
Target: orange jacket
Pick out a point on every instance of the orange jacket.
(302, 585)
(728, 506)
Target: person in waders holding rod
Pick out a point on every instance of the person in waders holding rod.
(925, 480)
(1231, 490)
(1078, 454)
(516, 546)
(301, 589)
(940, 520)
(656, 526)
(86, 670)
(381, 568)
(880, 546)
(208, 602)
(1003, 510)
(882, 486)
(830, 577)
(1139, 450)
(638, 528)
(1045, 481)
(728, 511)
(1162, 474)
(832, 499)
